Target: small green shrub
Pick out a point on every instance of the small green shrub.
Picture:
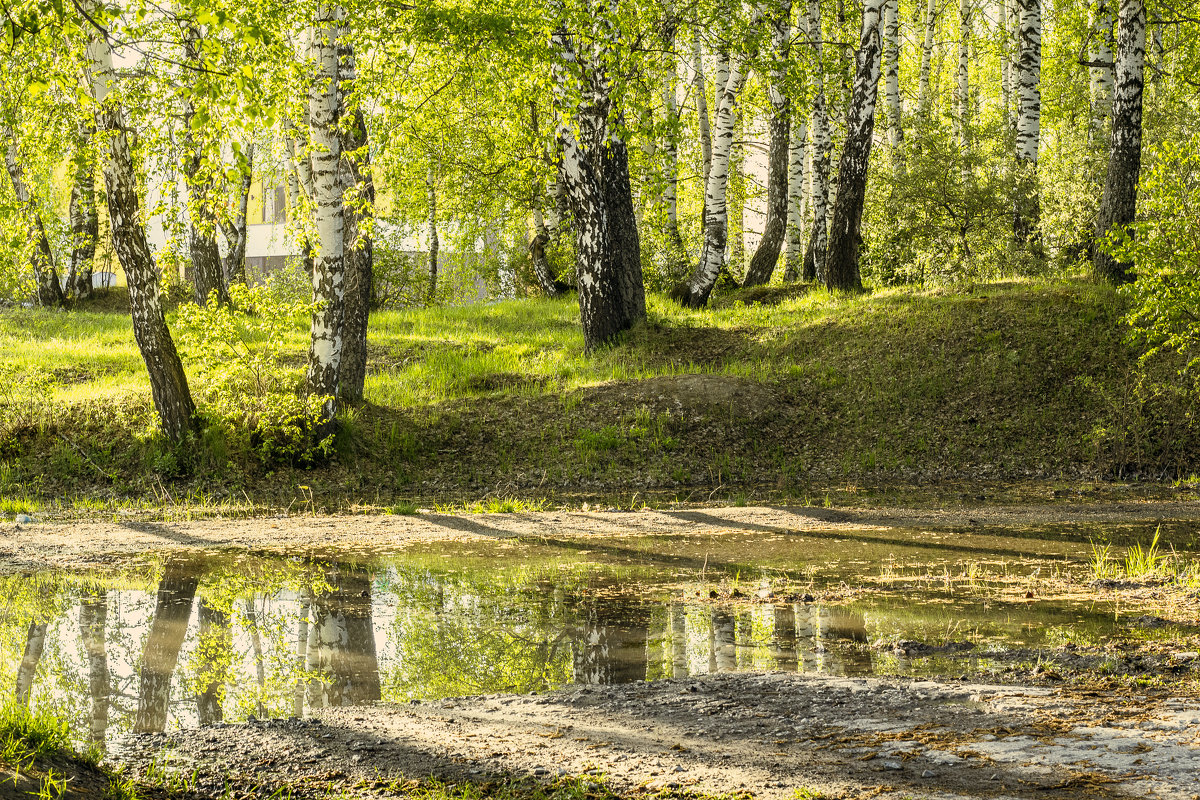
(244, 387)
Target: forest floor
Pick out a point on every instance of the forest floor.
(769, 398)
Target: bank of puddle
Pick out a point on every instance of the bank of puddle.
(200, 638)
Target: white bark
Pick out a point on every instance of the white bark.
(1006, 61)
(325, 349)
(1100, 71)
(1026, 211)
(702, 120)
(794, 243)
(962, 88)
(895, 103)
(1028, 79)
(716, 228)
(822, 149)
(923, 92)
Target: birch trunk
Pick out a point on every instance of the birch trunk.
(358, 209)
(541, 231)
(85, 221)
(841, 263)
(93, 620)
(766, 255)
(168, 382)
(1006, 62)
(624, 242)
(962, 88)
(702, 118)
(1118, 206)
(172, 611)
(329, 266)
(923, 92)
(235, 230)
(1026, 205)
(822, 148)
(208, 279)
(895, 102)
(794, 256)
(431, 192)
(1100, 73)
(601, 308)
(49, 292)
(671, 144)
(694, 293)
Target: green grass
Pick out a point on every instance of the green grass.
(993, 383)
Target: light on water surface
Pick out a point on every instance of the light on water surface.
(196, 639)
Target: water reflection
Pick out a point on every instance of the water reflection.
(194, 641)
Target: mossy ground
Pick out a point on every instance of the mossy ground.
(768, 396)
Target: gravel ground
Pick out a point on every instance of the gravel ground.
(764, 733)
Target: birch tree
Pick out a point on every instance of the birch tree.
(208, 277)
(1026, 203)
(841, 263)
(85, 220)
(694, 293)
(168, 382)
(1118, 206)
(797, 155)
(41, 259)
(595, 173)
(924, 98)
(766, 255)
(1100, 72)
(357, 195)
(822, 150)
(234, 226)
(962, 86)
(432, 234)
(895, 101)
(329, 266)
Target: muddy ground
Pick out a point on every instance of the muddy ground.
(766, 734)
(78, 544)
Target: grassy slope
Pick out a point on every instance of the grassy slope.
(997, 382)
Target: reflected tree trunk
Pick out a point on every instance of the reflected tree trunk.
(172, 612)
(341, 642)
(724, 641)
(301, 653)
(215, 649)
(256, 647)
(35, 643)
(610, 645)
(783, 639)
(93, 621)
(679, 655)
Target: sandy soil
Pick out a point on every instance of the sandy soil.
(768, 734)
(76, 544)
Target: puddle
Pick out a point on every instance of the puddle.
(199, 639)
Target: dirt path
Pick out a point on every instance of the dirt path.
(768, 734)
(76, 544)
